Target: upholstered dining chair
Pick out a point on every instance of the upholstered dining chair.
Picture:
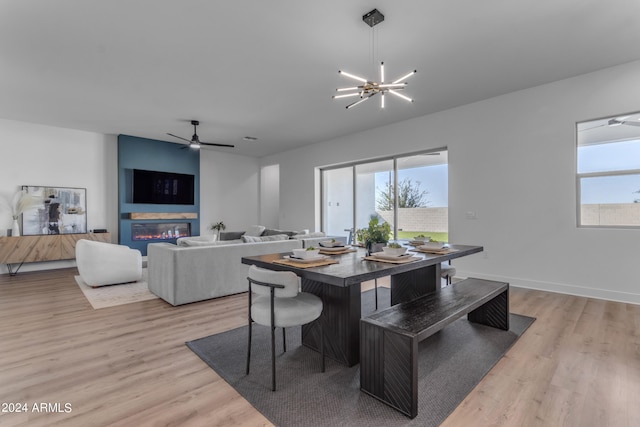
(447, 271)
(278, 303)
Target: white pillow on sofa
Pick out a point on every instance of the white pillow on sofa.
(196, 240)
(274, 238)
(255, 230)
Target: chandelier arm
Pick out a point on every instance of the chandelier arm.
(406, 98)
(406, 76)
(359, 101)
(346, 95)
(342, 89)
(344, 73)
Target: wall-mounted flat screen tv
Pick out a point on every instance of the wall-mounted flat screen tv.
(163, 187)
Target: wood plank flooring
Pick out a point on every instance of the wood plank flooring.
(578, 365)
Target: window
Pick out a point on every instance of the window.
(608, 172)
(410, 192)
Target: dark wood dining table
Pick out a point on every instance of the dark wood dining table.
(338, 285)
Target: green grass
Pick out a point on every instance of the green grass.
(439, 236)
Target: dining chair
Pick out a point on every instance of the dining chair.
(447, 271)
(278, 303)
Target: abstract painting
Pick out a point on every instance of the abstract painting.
(62, 210)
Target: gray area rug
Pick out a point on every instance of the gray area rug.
(451, 363)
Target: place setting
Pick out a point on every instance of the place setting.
(306, 258)
(334, 247)
(424, 244)
(393, 253)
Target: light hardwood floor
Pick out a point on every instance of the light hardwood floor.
(578, 364)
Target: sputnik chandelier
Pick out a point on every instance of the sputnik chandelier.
(369, 88)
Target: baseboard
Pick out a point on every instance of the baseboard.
(560, 288)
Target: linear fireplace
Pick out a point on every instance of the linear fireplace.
(159, 230)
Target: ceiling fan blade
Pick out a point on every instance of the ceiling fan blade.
(216, 145)
(624, 122)
(179, 137)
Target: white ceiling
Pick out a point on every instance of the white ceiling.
(269, 68)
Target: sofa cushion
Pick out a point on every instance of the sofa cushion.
(274, 238)
(274, 232)
(231, 235)
(196, 240)
(255, 230)
(308, 235)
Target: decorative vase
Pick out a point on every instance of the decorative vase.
(15, 231)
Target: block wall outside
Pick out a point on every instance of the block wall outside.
(623, 214)
(420, 219)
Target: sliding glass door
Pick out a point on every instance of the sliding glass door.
(423, 196)
(409, 192)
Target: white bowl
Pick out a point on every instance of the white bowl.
(306, 254)
(421, 239)
(394, 251)
(330, 243)
(432, 245)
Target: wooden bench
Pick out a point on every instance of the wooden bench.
(389, 338)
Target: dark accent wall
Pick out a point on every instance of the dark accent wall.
(150, 154)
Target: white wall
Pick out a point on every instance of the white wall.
(510, 158)
(229, 186)
(269, 195)
(32, 154)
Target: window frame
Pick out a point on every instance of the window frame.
(610, 173)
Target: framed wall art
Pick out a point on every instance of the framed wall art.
(62, 210)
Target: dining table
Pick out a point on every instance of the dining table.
(338, 285)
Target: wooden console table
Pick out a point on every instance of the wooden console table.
(21, 249)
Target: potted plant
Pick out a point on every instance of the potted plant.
(217, 227)
(375, 236)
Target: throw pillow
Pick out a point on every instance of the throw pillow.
(274, 238)
(250, 239)
(196, 240)
(255, 230)
(275, 231)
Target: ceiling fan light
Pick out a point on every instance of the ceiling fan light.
(382, 100)
(382, 72)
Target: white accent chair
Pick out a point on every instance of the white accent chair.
(101, 264)
(278, 303)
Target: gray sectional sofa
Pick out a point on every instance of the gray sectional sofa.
(208, 269)
(184, 274)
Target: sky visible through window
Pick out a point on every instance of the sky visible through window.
(618, 156)
(433, 180)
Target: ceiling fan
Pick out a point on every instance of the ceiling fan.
(195, 142)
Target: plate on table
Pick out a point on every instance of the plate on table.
(307, 260)
(333, 248)
(384, 256)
